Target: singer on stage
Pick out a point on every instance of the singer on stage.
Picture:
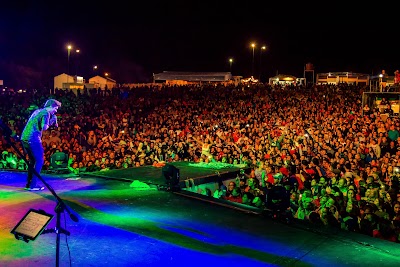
(31, 137)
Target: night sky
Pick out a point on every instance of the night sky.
(131, 40)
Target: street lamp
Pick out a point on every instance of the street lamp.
(69, 47)
(76, 64)
(230, 64)
(105, 85)
(262, 48)
(253, 45)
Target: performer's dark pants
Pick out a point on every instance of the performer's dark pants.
(35, 153)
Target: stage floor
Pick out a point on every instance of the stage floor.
(121, 226)
(153, 175)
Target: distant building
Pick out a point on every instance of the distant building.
(68, 82)
(102, 82)
(384, 82)
(65, 81)
(77, 83)
(61, 81)
(285, 79)
(181, 78)
(342, 77)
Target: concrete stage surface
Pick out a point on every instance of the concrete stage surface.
(123, 226)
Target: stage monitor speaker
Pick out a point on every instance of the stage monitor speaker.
(59, 163)
(171, 175)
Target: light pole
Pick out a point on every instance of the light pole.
(105, 85)
(76, 63)
(262, 48)
(69, 47)
(230, 64)
(253, 45)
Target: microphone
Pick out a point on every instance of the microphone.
(53, 120)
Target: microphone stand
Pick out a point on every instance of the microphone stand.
(60, 207)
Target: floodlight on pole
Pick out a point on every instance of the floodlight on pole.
(106, 74)
(69, 47)
(76, 63)
(253, 45)
(261, 51)
(380, 82)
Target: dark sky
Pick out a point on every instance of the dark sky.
(131, 39)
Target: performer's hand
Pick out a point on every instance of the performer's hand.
(53, 120)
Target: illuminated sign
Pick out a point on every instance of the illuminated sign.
(76, 87)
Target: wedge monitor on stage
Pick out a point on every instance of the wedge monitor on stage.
(171, 175)
(31, 225)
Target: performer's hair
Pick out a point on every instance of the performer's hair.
(52, 103)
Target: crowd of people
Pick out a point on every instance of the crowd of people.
(315, 153)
